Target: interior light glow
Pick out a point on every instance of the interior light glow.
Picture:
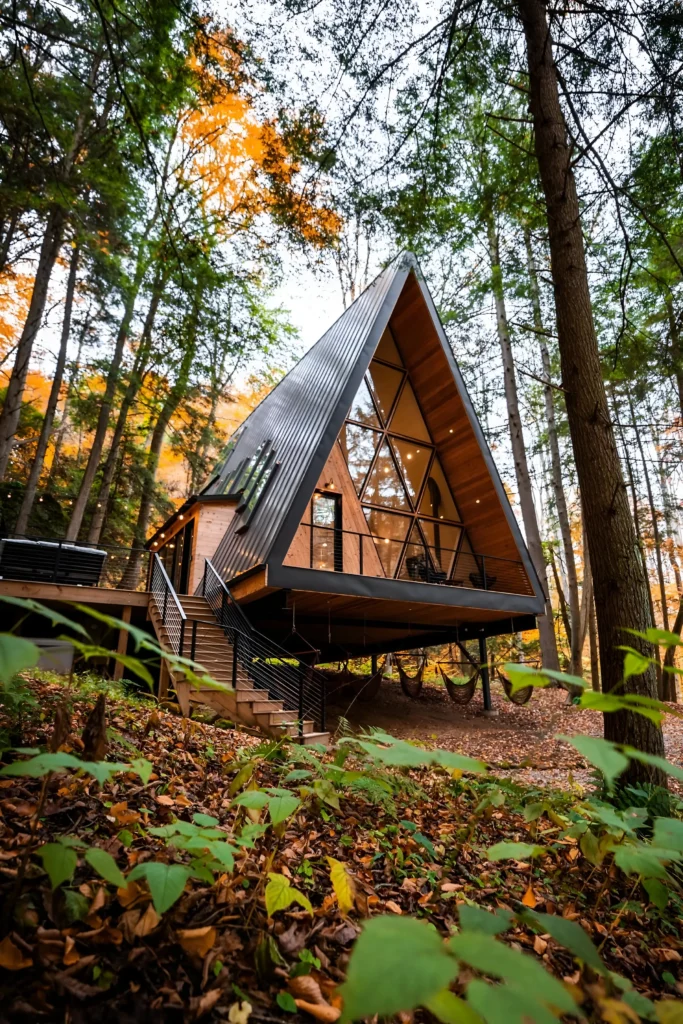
(409, 456)
(450, 431)
(181, 517)
(163, 535)
(477, 501)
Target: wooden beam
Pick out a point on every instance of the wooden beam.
(122, 645)
(252, 587)
(163, 680)
(67, 594)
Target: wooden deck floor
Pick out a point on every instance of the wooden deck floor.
(69, 594)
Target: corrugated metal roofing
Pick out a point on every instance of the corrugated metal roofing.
(300, 416)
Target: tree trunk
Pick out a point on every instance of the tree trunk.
(104, 416)
(11, 410)
(173, 399)
(620, 585)
(653, 516)
(670, 688)
(526, 498)
(64, 421)
(556, 467)
(52, 241)
(46, 429)
(134, 384)
(676, 355)
(593, 641)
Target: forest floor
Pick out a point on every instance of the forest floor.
(414, 841)
(519, 743)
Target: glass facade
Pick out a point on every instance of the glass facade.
(406, 499)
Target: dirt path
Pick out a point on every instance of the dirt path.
(519, 743)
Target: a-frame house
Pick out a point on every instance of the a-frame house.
(358, 509)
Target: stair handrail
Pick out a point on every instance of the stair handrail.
(171, 611)
(288, 683)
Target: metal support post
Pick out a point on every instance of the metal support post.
(489, 710)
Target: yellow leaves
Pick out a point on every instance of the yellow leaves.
(197, 941)
(11, 957)
(669, 1011)
(529, 898)
(239, 1013)
(342, 883)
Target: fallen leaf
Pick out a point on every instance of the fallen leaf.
(239, 1013)
(11, 957)
(71, 954)
(130, 894)
(207, 1002)
(394, 907)
(147, 923)
(529, 899)
(321, 1011)
(122, 815)
(166, 801)
(306, 987)
(197, 941)
(540, 945)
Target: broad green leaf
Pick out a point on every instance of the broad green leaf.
(450, 1009)
(56, 618)
(281, 807)
(342, 883)
(426, 843)
(142, 767)
(657, 762)
(253, 799)
(635, 663)
(489, 956)
(105, 865)
(59, 861)
(458, 762)
(476, 919)
(40, 765)
(660, 637)
(16, 654)
(502, 1004)
(298, 775)
(89, 651)
(280, 895)
(601, 753)
(325, 791)
(657, 892)
(668, 833)
(286, 1002)
(525, 675)
(401, 754)
(518, 851)
(225, 853)
(569, 934)
(204, 819)
(166, 882)
(642, 860)
(397, 963)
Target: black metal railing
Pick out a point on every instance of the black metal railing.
(333, 549)
(46, 560)
(168, 605)
(269, 667)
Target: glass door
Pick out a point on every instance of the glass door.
(326, 532)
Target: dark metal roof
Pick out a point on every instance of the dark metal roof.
(300, 421)
(302, 417)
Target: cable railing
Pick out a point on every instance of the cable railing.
(47, 560)
(168, 605)
(335, 550)
(269, 667)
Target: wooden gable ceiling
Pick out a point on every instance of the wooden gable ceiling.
(468, 467)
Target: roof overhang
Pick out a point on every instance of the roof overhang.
(185, 509)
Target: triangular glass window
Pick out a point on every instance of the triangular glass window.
(358, 445)
(437, 500)
(387, 349)
(384, 384)
(384, 486)
(442, 540)
(413, 460)
(389, 532)
(362, 409)
(407, 418)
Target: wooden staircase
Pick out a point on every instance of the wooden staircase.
(240, 701)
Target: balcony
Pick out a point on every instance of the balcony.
(332, 549)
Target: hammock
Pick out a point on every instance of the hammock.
(519, 696)
(411, 687)
(461, 693)
(367, 687)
